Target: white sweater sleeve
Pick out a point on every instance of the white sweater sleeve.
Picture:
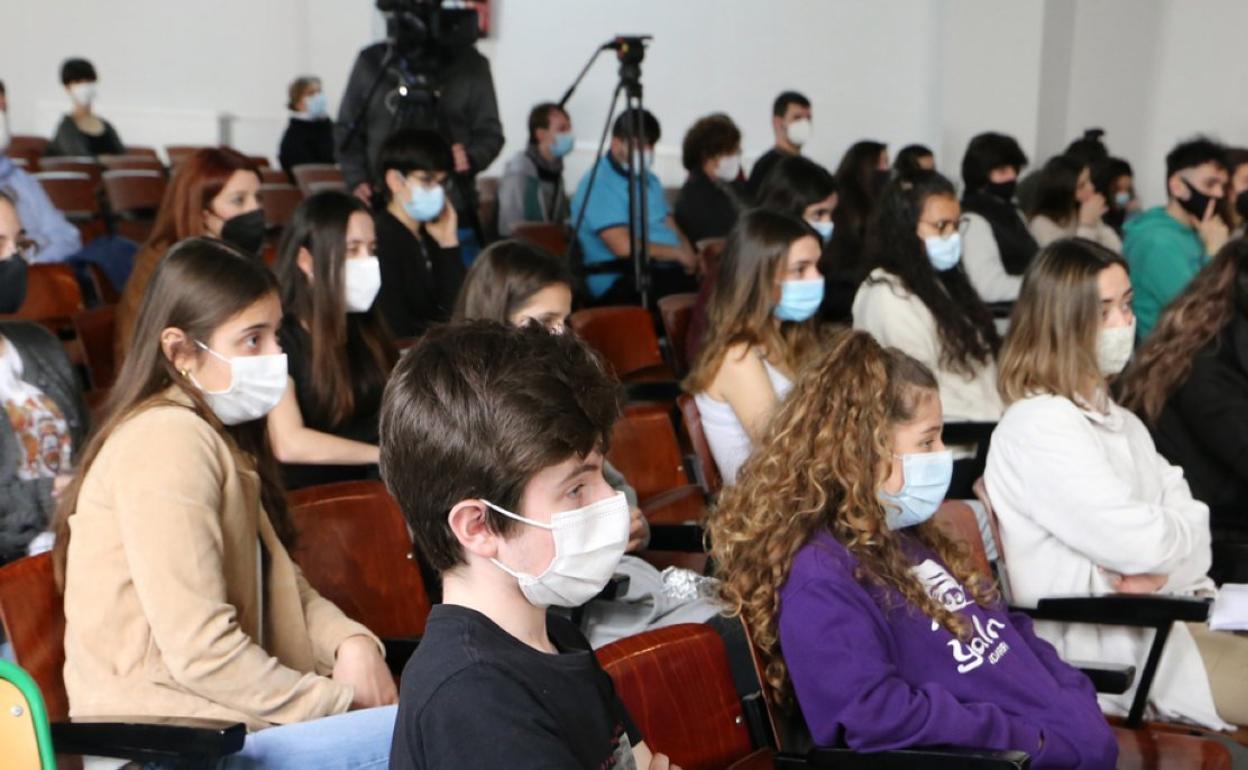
(897, 319)
(982, 260)
(1055, 471)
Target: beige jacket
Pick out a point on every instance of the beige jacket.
(899, 319)
(1045, 231)
(165, 614)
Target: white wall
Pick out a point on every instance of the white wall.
(934, 71)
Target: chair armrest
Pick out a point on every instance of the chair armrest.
(1110, 678)
(1121, 610)
(689, 538)
(398, 650)
(148, 739)
(907, 759)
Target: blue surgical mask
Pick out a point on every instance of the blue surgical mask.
(925, 480)
(563, 144)
(1122, 198)
(316, 105)
(425, 203)
(944, 253)
(799, 299)
(823, 228)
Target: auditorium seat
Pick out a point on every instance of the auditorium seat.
(73, 193)
(706, 469)
(84, 164)
(53, 295)
(279, 202)
(132, 163)
(29, 147)
(314, 177)
(134, 197)
(33, 619)
(677, 686)
(624, 335)
(95, 329)
(551, 236)
(273, 176)
(676, 310)
(353, 547)
(180, 152)
(142, 151)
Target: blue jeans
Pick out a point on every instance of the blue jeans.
(356, 740)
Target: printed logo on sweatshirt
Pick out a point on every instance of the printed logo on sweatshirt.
(986, 643)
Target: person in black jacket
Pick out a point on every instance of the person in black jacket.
(465, 112)
(43, 420)
(309, 136)
(417, 232)
(1189, 383)
(82, 132)
(790, 121)
(714, 192)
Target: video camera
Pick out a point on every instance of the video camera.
(415, 25)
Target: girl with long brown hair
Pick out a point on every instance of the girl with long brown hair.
(1189, 383)
(339, 351)
(1086, 505)
(181, 598)
(215, 193)
(759, 328)
(864, 611)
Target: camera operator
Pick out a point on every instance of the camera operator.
(427, 74)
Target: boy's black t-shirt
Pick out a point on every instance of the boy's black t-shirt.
(473, 696)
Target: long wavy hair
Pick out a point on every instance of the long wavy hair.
(1193, 320)
(351, 353)
(199, 285)
(968, 337)
(826, 455)
(742, 300)
(1052, 343)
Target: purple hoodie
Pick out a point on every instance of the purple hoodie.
(874, 678)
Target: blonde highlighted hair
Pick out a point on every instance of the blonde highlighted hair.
(1051, 347)
(820, 468)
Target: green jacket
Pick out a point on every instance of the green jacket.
(1163, 254)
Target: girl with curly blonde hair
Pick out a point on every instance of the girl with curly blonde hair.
(862, 609)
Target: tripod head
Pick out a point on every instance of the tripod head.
(630, 50)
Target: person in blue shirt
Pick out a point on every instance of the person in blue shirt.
(603, 233)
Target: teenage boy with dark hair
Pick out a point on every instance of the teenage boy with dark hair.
(1167, 246)
(790, 122)
(492, 441)
(417, 232)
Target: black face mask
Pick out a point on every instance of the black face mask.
(1197, 202)
(1002, 190)
(12, 283)
(1241, 204)
(246, 231)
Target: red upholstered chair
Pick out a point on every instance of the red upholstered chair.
(353, 547)
(624, 335)
(96, 328)
(551, 236)
(83, 164)
(180, 152)
(132, 162)
(280, 202)
(676, 310)
(74, 195)
(691, 420)
(133, 196)
(273, 176)
(678, 689)
(53, 296)
(313, 177)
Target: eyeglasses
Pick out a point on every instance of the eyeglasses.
(947, 227)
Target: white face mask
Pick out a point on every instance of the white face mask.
(799, 131)
(361, 278)
(649, 158)
(1114, 346)
(257, 384)
(83, 94)
(728, 168)
(589, 543)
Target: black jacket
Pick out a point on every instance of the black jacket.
(419, 278)
(707, 208)
(306, 141)
(1204, 426)
(467, 114)
(26, 506)
(70, 140)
